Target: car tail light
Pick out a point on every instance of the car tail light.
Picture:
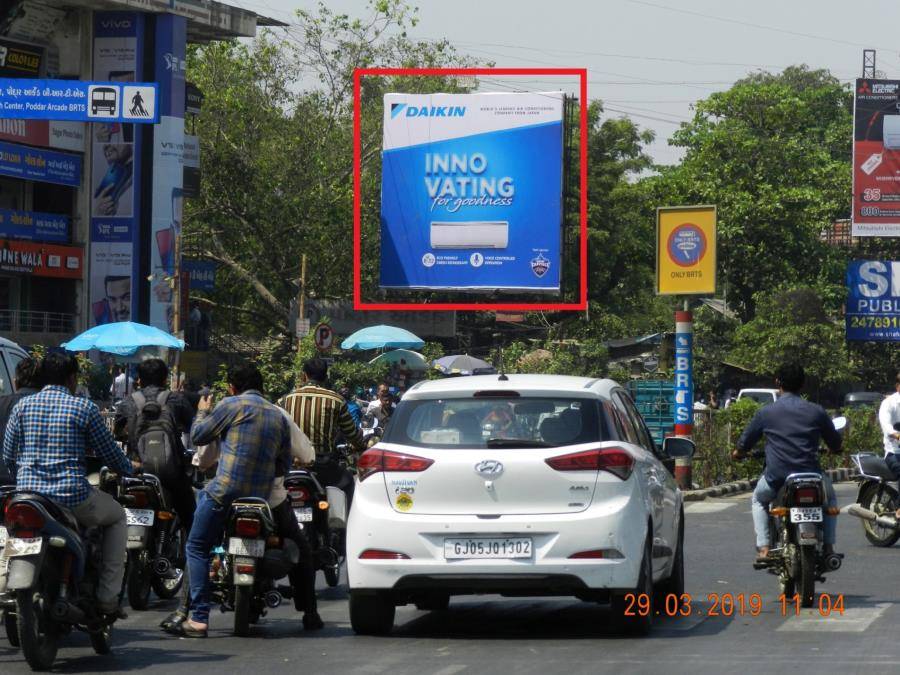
(23, 516)
(139, 498)
(375, 460)
(380, 554)
(298, 495)
(614, 460)
(247, 527)
(807, 495)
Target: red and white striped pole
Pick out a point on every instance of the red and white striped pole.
(684, 390)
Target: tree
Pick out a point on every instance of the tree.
(773, 154)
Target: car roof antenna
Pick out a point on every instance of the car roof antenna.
(503, 377)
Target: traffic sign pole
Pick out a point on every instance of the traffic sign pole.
(684, 389)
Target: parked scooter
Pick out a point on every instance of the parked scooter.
(54, 567)
(156, 541)
(256, 556)
(321, 514)
(796, 527)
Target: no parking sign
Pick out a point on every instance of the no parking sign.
(324, 337)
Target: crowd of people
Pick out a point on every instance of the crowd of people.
(47, 432)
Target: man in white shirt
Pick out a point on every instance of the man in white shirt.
(888, 416)
(121, 386)
(383, 406)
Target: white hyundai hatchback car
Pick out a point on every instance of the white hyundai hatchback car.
(526, 485)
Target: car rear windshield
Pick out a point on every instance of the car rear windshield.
(525, 422)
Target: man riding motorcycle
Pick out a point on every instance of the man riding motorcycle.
(793, 428)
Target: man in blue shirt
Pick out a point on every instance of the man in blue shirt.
(793, 428)
(44, 448)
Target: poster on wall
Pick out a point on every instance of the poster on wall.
(115, 177)
(464, 203)
(876, 159)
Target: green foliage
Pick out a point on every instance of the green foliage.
(356, 374)
(716, 437)
(863, 433)
(713, 337)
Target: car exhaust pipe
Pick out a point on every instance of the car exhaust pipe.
(832, 562)
(273, 599)
(161, 566)
(865, 514)
(66, 612)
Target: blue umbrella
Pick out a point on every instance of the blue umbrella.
(124, 338)
(379, 337)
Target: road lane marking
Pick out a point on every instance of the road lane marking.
(707, 507)
(854, 620)
(451, 670)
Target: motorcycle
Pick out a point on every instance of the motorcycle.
(255, 557)
(796, 529)
(321, 514)
(53, 573)
(877, 500)
(7, 599)
(156, 541)
(371, 429)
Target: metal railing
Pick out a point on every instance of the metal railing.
(23, 321)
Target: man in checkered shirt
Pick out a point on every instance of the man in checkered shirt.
(44, 448)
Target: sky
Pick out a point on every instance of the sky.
(649, 60)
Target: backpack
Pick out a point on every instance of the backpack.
(154, 438)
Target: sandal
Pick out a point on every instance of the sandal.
(185, 629)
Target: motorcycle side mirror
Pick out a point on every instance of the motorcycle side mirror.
(677, 446)
(840, 423)
(897, 426)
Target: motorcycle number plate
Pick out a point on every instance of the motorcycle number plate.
(16, 547)
(139, 517)
(2, 536)
(255, 548)
(304, 514)
(812, 514)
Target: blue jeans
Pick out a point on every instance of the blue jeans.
(209, 519)
(763, 496)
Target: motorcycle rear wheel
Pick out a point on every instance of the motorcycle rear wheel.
(888, 502)
(12, 629)
(139, 578)
(38, 634)
(807, 575)
(242, 597)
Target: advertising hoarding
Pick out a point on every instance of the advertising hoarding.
(873, 300)
(78, 101)
(464, 203)
(876, 159)
(46, 166)
(686, 250)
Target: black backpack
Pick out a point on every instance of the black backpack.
(153, 436)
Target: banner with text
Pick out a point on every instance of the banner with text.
(78, 101)
(873, 300)
(50, 227)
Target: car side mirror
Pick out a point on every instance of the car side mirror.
(678, 446)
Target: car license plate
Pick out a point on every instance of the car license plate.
(16, 547)
(810, 514)
(2, 536)
(483, 548)
(304, 514)
(255, 548)
(139, 517)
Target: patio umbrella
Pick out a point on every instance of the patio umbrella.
(381, 337)
(463, 364)
(124, 339)
(414, 360)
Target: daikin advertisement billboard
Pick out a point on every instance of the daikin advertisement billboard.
(471, 191)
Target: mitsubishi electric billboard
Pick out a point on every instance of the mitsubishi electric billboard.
(471, 191)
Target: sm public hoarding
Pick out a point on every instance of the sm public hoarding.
(471, 191)
(873, 300)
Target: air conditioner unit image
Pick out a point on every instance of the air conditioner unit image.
(473, 234)
(891, 132)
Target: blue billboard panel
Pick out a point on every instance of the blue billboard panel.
(202, 273)
(873, 300)
(77, 101)
(46, 166)
(34, 226)
(471, 192)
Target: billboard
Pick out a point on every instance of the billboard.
(78, 101)
(876, 159)
(686, 250)
(41, 260)
(471, 191)
(873, 300)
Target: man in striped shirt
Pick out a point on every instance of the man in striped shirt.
(321, 413)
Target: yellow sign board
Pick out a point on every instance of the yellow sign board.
(686, 250)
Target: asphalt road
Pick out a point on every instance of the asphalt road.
(522, 636)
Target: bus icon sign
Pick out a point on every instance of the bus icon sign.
(103, 101)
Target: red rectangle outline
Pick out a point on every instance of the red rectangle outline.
(358, 304)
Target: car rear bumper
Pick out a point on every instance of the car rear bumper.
(618, 526)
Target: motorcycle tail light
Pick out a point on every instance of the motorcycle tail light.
(298, 495)
(613, 460)
(247, 527)
(23, 516)
(807, 495)
(374, 460)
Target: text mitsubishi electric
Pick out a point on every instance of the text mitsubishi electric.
(471, 191)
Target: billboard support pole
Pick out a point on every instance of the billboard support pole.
(868, 64)
(684, 389)
(301, 297)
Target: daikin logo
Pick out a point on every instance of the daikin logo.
(426, 111)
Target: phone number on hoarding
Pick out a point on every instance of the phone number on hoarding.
(724, 604)
(874, 322)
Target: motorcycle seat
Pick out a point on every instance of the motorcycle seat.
(876, 467)
(57, 511)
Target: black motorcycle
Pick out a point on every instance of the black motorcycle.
(254, 557)
(7, 598)
(321, 515)
(877, 500)
(53, 573)
(156, 539)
